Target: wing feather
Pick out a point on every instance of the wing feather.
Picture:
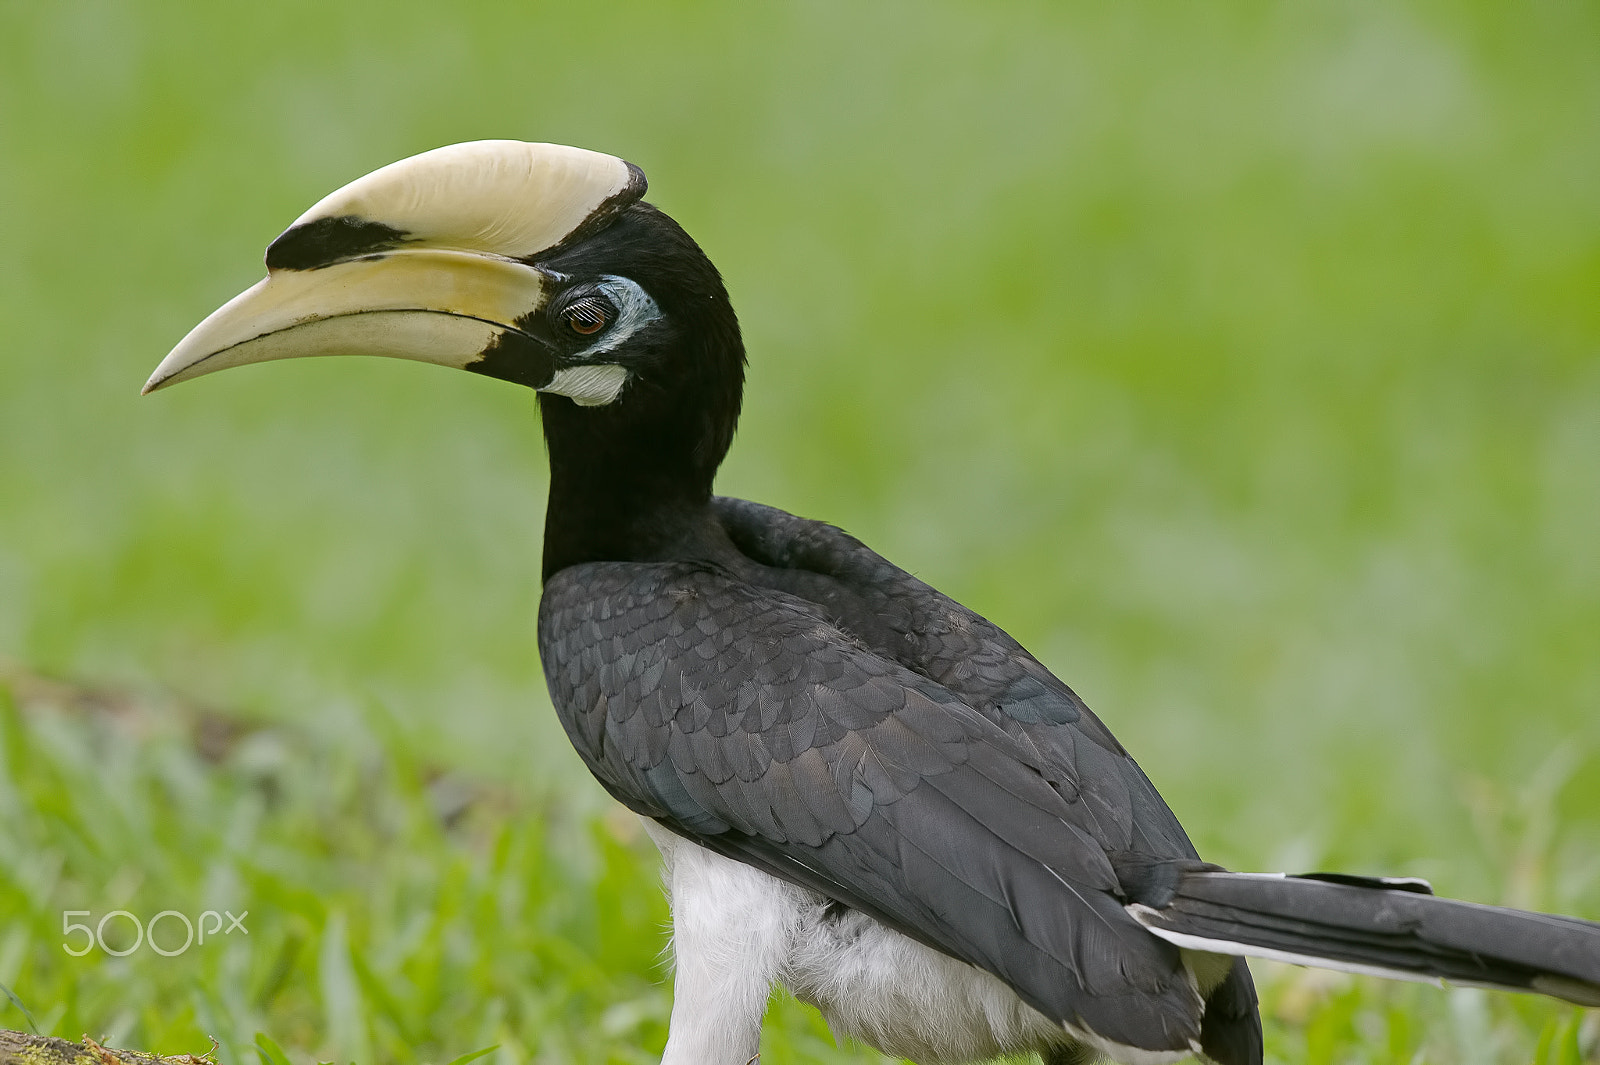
(790, 745)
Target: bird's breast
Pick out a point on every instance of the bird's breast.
(870, 982)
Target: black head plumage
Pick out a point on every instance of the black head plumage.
(621, 471)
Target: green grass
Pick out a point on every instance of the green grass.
(391, 910)
(1242, 360)
(396, 911)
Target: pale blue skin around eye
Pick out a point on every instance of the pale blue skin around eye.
(593, 381)
(635, 310)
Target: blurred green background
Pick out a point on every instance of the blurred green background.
(1243, 360)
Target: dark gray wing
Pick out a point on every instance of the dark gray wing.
(931, 634)
(927, 632)
(742, 718)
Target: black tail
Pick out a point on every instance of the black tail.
(1394, 928)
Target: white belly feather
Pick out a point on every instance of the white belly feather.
(737, 931)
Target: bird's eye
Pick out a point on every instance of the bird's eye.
(589, 315)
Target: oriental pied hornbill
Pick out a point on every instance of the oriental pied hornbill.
(861, 788)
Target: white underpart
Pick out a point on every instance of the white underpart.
(737, 932)
(731, 930)
(509, 198)
(596, 383)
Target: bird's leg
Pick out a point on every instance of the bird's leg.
(731, 932)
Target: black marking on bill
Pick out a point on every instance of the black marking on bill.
(518, 358)
(600, 217)
(325, 241)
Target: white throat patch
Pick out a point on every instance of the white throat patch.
(589, 386)
(595, 383)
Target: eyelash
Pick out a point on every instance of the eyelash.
(588, 316)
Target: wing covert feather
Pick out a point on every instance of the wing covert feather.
(743, 718)
(927, 632)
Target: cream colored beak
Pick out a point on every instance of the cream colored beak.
(427, 258)
(444, 307)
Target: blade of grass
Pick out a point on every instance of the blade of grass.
(474, 1056)
(17, 1002)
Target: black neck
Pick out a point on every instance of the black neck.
(622, 487)
(631, 480)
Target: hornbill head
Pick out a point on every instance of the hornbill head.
(534, 263)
